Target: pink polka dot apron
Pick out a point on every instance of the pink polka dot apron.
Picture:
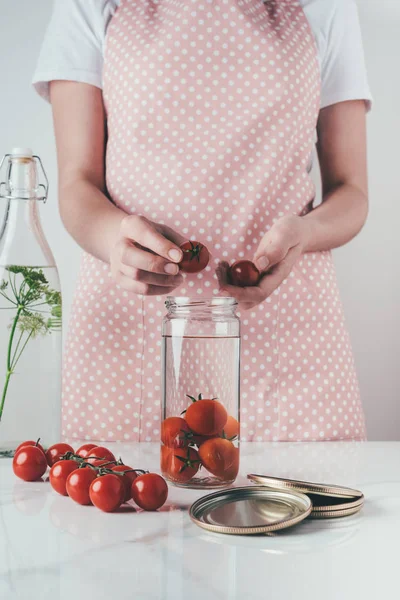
(212, 107)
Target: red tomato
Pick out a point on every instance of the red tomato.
(100, 452)
(78, 484)
(107, 492)
(195, 257)
(127, 479)
(59, 473)
(30, 443)
(85, 450)
(206, 417)
(55, 452)
(243, 273)
(174, 432)
(29, 463)
(231, 428)
(220, 457)
(164, 455)
(198, 440)
(182, 464)
(149, 491)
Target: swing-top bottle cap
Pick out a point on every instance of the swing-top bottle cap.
(21, 153)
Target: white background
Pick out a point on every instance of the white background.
(368, 269)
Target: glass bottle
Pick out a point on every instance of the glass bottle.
(200, 392)
(30, 310)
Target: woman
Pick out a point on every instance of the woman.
(197, 119)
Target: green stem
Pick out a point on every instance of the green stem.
(9, 369)
(17, 346)
(8, 299)
(22, 349)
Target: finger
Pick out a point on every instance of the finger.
(272, 250)
(250, 294)
(141, 230)
(273, 280)
(171, 234)
(139, 287)
(222, 273)
(152, 278)
(139, 258)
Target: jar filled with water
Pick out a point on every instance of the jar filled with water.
(200, 431)
(30, 309)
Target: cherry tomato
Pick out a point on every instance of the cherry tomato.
(206, 417)
(195, 257)
(85, 450)
(55, 452)
(232, 471)
(59, 473)
(107, 492)
(231, 428)
(78, 484)
(220, 457)
(182, 464)
(174, 432)
(164, 455)
(29, 463)
(30, 443)
(243, 273)
(100, 452)
(127, 479)
(149, 491)
(198, 440)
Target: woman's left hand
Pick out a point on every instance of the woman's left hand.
(275, 257)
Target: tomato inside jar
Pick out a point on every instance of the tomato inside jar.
(200, 430)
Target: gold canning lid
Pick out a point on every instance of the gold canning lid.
(250, 510)
(328, 501)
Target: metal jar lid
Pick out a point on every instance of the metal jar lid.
(250, 510)
(328, 501)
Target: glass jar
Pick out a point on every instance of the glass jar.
(30, 310)
(200, 392)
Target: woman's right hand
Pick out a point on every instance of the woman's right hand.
(145, 258)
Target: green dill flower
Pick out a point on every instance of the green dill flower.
(33, 323)
(3, 285)
(53, 298)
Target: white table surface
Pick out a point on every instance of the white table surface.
(54, 549)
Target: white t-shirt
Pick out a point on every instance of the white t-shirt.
(73, 47)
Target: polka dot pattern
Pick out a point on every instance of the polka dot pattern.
(212, 108)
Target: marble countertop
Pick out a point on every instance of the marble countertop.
(54, 549)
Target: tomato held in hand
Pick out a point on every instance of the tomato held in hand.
(231, 428)
(182, 464)
(243, 273)
(29, 443)
(29, 463)
(149, 491)
(102, 453)
(206, 417)
(107, 492)
(220, 457)
(195, 257)
(55, 452)
(128, 477)
(85, 450)
(59, 474)
(78, 484)
(175, 432)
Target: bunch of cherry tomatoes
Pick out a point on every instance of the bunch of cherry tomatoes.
(91, 475)
(196, 257)
(202, 437)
